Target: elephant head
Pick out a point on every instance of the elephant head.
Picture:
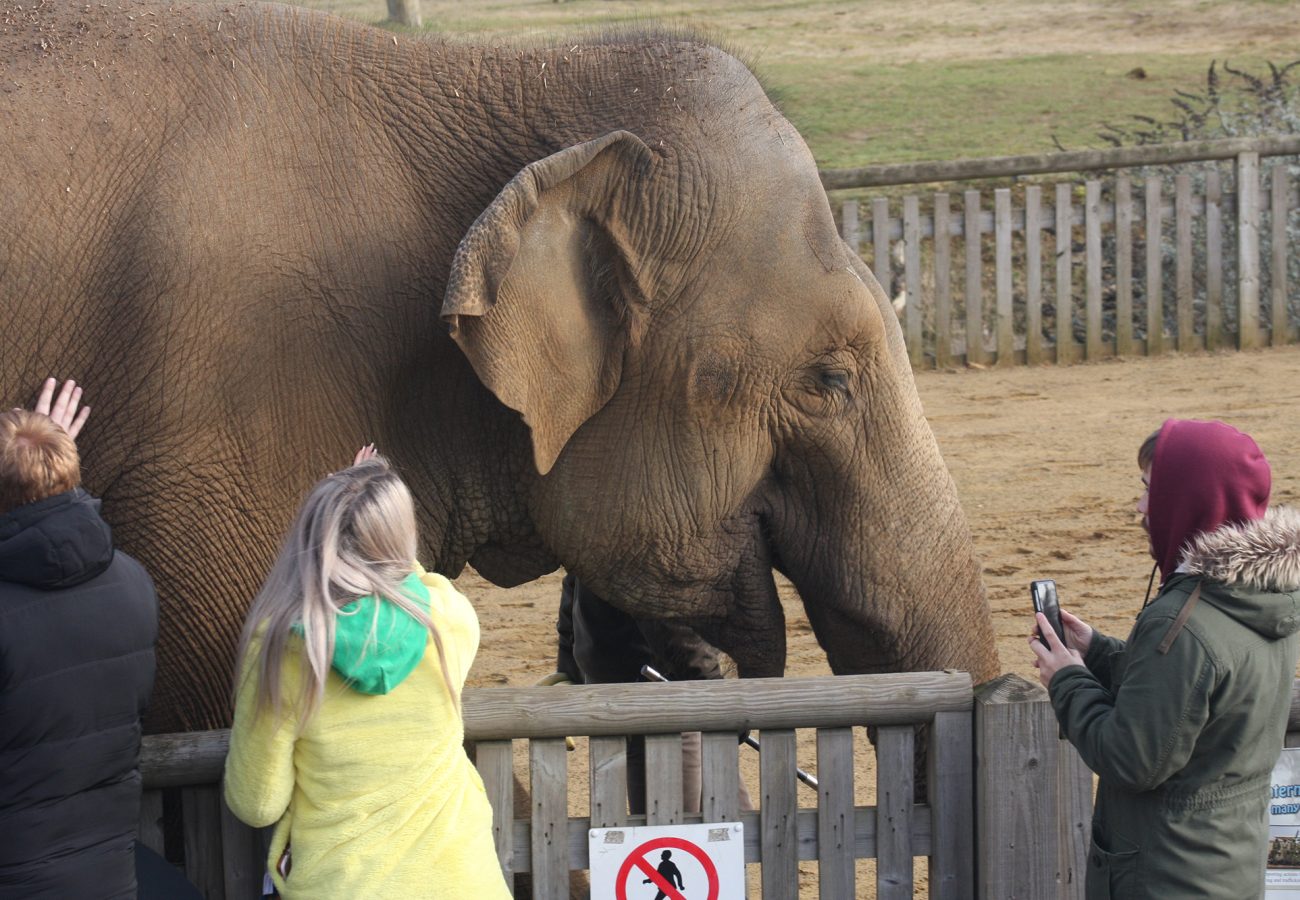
(715, 386)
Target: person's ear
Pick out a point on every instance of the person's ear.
(542, 297)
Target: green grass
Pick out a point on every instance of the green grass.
(901, 81)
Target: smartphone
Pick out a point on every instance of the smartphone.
(1043, 593)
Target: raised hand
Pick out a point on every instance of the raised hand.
(367, 451)
(63, 409)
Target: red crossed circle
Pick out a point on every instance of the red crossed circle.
(637, 858)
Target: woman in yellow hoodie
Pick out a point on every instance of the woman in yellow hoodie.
(347, 732)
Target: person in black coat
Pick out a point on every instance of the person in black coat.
(78, 622)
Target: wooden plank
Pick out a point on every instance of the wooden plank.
(950, 781)
(881, 265)
(1183, 261)
(974, 280)
(1092, 269)
(1033, 275)
(1002, 276)
(895, 784)
(1279, 327)
(663, 779)
(1064, 331)
(175, 760)
(849, 227)
(728, 704)
(1048, 163)
(720, 777)
(549, 785)
(243, 858)
(1123, 266)
(201, 826)
(942, 283)
(608, 778)
(1154, 262)
(1248, 250)
(835, 870)
(1024, 790)
(778, 786)
(912, 280)
(1213, 261)
(496, 766)
(151, 822)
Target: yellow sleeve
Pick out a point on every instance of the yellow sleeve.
(259, 764)
(456, 621)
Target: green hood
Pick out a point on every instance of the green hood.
(376, 644)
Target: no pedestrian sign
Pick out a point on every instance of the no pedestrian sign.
(669, 862)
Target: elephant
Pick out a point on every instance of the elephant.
(589, 299)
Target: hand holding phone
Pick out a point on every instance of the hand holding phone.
(1043, 594)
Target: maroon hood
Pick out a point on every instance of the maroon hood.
(1203, 475)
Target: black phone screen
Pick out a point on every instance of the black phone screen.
(1043, 594)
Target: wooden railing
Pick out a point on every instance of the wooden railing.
(1153, 275)
(995, 769)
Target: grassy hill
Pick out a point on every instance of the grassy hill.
(903, 80)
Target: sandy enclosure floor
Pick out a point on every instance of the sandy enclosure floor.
(1045, 465)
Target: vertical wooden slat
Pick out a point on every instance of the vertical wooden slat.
(549, 785)
(894, 809)
(243, 860)
(1002, 276)
(779, 840)
(151, 821)
(1123, 266)
(1092, 268)
(1155, 261)
(1183, 261)
(881, 264)
(1248, 250)
(1213, 260)
(912, 280)
(835, 874)
(496, 767)
(950, 780)
(849, 227)
(663, 779)
(201, 825)
(1280, 328)
(608, 778)
(942, 284)
(974, 279)
(1065, 351)
(721, 777)
(1033, 274)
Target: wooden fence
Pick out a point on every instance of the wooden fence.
(1118, 265)
(1007, 811)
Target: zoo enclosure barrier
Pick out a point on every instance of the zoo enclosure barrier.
(1118, 266)
(1006, 815)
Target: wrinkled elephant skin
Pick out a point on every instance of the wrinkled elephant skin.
(589, 300)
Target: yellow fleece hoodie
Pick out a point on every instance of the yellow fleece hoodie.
(375, 797)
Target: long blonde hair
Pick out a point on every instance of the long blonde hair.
(354, 536)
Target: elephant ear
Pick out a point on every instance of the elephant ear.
(541, 298)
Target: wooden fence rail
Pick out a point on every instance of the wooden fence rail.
(994, 760)
(1118, 265)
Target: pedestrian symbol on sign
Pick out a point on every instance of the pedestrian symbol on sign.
(666, 877)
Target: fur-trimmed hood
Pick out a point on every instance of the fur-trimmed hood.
(1251, 571)
(1262, 555)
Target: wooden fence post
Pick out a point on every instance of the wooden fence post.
(1248, 250)
(1033, 797)
(405, 12)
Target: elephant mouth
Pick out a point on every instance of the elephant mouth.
(768, 540)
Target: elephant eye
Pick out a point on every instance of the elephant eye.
(835, 380)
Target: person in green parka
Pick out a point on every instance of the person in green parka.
(1184, 721)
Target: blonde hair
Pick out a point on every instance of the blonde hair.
(354, 536)
(37, 459)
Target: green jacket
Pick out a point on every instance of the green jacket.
(1184, 741)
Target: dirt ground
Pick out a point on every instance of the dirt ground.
(1044, 460)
